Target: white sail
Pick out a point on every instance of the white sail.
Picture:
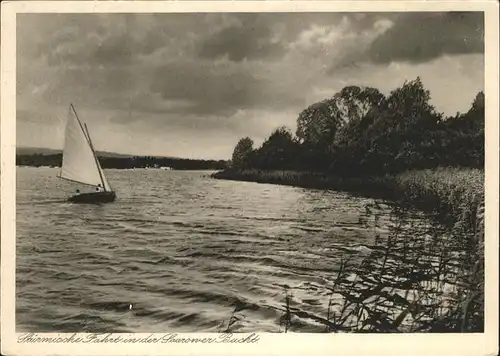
(79, 163)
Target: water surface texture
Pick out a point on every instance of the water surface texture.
(178, 251)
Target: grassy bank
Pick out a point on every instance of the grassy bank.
(421, 279)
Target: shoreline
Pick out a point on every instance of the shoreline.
(135, 168)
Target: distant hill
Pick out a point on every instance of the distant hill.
(36, 150)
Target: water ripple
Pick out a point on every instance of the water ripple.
(179, 251)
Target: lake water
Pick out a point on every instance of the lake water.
(179, 251)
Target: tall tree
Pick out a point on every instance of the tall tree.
(392, 135)
(462, 136)
(410, 104)
(320, 123)
(355, 104)
(279, 150)
(242, 152)
(317, 125)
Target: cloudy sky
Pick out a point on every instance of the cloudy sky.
(191, 85)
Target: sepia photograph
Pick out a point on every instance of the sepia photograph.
(249, 172)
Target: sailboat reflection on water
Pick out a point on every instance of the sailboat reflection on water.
(81, 165)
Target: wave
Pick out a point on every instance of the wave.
(116, 306)
(185, 261)
(43, 202)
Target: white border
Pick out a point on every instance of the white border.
(269, 344)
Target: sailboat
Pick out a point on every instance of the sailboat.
(81, 165)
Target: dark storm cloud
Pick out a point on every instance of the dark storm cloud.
(105, 39)
(220, 63)
(249, 38)
(217, 88)
(260, 36)
(422, 37)
(99, 87)
(99, 45)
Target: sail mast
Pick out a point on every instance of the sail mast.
(81, 126)
(95, 156)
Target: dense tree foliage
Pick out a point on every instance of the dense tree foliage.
(277, 152)
(360, 132)
(242, 152)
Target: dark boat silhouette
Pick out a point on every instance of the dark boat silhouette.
(93, 198)
(81, 165)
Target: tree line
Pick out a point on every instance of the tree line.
(55, 160)
(360, 131)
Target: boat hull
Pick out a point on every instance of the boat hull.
(93, 198)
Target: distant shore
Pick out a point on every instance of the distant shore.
(54, 160)
(209, 170)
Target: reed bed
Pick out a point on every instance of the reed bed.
(420, 279)
(456, 194)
